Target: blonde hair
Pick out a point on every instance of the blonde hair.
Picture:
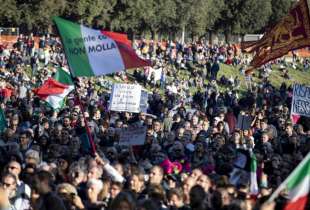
(67, 187)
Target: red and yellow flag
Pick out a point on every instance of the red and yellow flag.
(292, 32)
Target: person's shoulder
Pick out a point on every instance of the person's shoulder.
(24, 189)
(22, 203)
(53, 201)
(142, 195)
(184, 208)
(51, 197)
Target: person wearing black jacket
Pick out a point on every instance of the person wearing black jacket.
(264, 147)
(290, 141)
(48, 199)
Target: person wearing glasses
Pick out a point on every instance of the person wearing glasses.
(9, 184)
(22, 189)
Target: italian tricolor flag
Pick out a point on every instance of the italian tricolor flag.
(296, 186)
(253, 175)
(93, 52)
(54, 90)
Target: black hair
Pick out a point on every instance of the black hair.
(197, 197)
(127, 196)
(45, 176)
(8, 174)
(27, 133)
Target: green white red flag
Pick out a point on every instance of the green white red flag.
(296, 186)
(253, 175)
(63, 76)
(93, 52)
(54, 90)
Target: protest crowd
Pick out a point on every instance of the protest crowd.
(197, 145)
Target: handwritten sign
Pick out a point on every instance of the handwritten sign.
(301, 100)
(132, 136)
(125, 98)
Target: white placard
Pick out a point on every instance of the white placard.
(125, 98)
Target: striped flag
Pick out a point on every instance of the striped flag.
(253, 176)
(54, 90)
(118, 37)
(244, 171)
(93, 52)
(296, 186)
(63, 76)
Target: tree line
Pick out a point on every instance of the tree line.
(167, 17)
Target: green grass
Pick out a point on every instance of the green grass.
(276, 78)
(297, 76)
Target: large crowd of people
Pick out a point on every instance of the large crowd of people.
(192, 143)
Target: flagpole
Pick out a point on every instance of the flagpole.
(91, 140)
(283, 184)
(74, 79)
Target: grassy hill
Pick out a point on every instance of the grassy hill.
(276, 77)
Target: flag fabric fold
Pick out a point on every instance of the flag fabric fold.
(253, 176)
(118, 37)
(245, 170)
(54, 90)
(63, 76)
(93, 52)
(296, 186)
(292, 32)
(50, 87)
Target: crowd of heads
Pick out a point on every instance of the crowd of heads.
(191, 145)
